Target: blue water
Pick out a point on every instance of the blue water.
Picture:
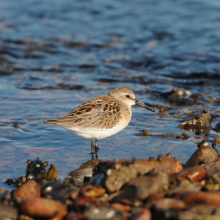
(54, 55)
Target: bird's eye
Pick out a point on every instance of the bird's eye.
(128, 96)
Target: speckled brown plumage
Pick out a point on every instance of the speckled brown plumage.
(102, 112)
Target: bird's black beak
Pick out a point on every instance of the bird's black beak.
(143, 105)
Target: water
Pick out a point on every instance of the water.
(54, 55)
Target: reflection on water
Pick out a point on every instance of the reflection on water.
(55, 56)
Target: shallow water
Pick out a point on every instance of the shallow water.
(54, 55)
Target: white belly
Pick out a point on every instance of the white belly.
(98, 133)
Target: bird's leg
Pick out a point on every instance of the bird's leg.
(92, 145)
(94, 148)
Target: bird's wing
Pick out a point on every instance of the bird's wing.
(102, 112)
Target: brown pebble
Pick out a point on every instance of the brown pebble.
(24, 217)
(144, 215)
(43, 208)
(194, 174)
(51, 173)
(217, 140)
(205, 152)
(121, 207)
(147, 133)
(57, 216)
(193, 198)
(93, 191)
(28, 190)
(7, 212)
(74, 216)
(169, 203)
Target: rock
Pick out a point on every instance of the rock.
(82, 202)
(166, 164)
(57, 216)
(143, 215)
(154, 182)
(64, 194)
(165, 214)
(85, 169)
(35, 169)
(193, 198)
(127, 196)
(194, 174)
(42, 208)
(188, 215)
(28, 190)
(203, 153)
(142, 187)
(8, 213)
(214, 178)
(74, 216)
(25, 217)
(199, 124)
(212, 167)
(200, 212)
(121, 207)
(206, 209)
(169, 203)
(183, 185)
(102, 213)
(118, 177)
(51, 186)
(93, 191)
(51, 173)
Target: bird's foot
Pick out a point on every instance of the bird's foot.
(94, 148)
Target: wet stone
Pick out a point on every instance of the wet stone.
(183, 185)
(206, 209)
(25, 217)
(165, 214)
(64, 194)
(204, 152)
(193, 198)
(8, 213)
(121, 207)
(145, 214)
(188, 215)
(199, 124)
(86, 169)
(52, 185)
(74, 216)
(212, 167)
(42, 207)
(169, 203)
(82, 202)
(51, 173)
(57, 216)
(93, 191)
(28, 190)
(152, 182)
(211, 187)
(194, 174)
(217, 140)
(127, 196)
(214, 178)
(35, 169)
(166, 164)
(102, 213)
(118, 177)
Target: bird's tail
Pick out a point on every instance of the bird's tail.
(51, 121)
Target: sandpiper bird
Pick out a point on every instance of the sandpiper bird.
(101, 117)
